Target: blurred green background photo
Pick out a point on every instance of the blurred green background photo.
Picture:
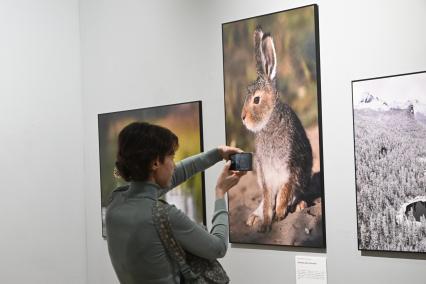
(182, 119)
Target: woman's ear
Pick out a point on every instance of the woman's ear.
(155, 164)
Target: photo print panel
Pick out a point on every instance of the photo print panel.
(185, 121)
(389, 116)
(272, 109)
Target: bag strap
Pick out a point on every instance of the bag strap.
(162, 224)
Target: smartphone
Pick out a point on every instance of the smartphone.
(241, 162)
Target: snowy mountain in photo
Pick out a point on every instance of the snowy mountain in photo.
(369, 101)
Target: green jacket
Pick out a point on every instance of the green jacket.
(135, 248)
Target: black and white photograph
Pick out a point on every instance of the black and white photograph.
(390, 162)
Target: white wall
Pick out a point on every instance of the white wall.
(139, 53)
(42, 205)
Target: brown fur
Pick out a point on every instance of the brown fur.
(267, 211)
(256, 112)
(280, 141)
(285, 194)
(301, 205)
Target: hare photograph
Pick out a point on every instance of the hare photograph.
(272, 109)
(184, 120)
(390, 162)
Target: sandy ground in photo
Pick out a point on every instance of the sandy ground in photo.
(303, 228)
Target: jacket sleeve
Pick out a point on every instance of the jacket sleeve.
(195, 239)
(190, 166)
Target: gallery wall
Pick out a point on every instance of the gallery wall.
(138, 54)
(42, 203)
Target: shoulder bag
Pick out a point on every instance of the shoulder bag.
(193, 269)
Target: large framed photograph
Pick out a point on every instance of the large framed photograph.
(273, 108)
(389, 115)
(185, 120)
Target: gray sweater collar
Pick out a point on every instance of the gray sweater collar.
(144, 189)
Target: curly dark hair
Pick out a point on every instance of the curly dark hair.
(139, 144)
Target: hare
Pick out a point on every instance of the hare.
(283, 154)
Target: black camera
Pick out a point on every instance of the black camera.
(241, 162)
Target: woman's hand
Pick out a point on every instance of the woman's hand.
(226, 180)
(225, 151)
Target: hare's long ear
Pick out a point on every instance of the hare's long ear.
(258, 53)
(270, 57)
(266, 59)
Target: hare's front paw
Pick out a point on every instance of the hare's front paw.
(256, 216)
(253, 219)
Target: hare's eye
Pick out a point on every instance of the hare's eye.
(256, 100)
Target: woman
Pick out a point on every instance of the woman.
(145, 159)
